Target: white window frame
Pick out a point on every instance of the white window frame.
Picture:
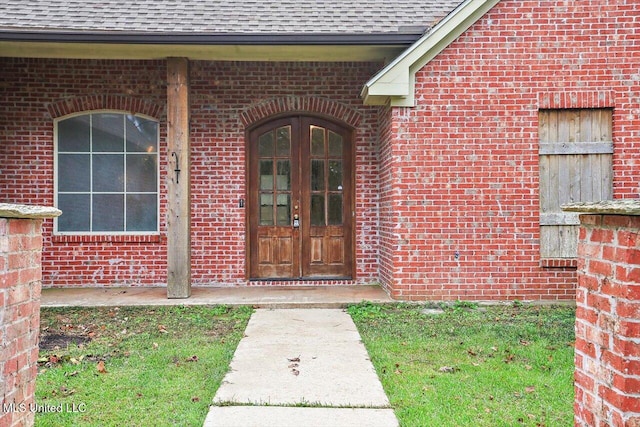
(57, 232)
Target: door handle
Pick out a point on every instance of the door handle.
(296, 221)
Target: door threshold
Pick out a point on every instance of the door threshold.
(299, 279)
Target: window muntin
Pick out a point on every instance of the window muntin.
(107, 172)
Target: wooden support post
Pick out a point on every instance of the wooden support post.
(179, 180)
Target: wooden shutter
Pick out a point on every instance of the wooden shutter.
(576, 150)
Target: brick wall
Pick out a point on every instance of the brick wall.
(40, 90)
(20, 253)
(607, 376)
(463, 199)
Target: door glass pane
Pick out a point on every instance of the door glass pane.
(108, 212)
(142, 135)
(108, 172)
(266, 209)
(266, 145)
(74, 172)
(317, 175)
(266, 175)
(317, 210)
(141, 173)
(141, 212)
(284, 209)
(283, 144)
(284, 175)
(334, 209)
(74, 134)
(108, 132)
(335, 175)
(317, 141)
(76, 212)
(335, 145)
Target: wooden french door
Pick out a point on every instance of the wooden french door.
(300, 200)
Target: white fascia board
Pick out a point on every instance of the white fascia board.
(396, 82)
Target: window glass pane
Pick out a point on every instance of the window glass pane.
(142, 135)
(108, 212)
(74, 134)
(108, 172)
(107, 132)
(317, 175)
(266, 145)
(284, 209)
(334, 209)
(335, 145)
(142, 212)
(141, 172)
(317, 141)
(76, 212)
(335, 175)
(317, 209)
(266, 175)
(266, 209)
(284, 175)
(283, 145)
(74, 172)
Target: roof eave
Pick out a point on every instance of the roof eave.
(375, 47)
(186, 38)
(395, 84)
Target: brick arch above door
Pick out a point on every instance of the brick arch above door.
(300, 104)
(133, 105)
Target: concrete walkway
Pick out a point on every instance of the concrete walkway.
(258, 296)
(301, 367)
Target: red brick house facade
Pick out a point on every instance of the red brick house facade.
(444, 151)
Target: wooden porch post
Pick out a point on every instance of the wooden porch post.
(179, 180)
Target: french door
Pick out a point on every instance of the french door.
(300, 200)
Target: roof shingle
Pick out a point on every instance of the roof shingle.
(252, 17)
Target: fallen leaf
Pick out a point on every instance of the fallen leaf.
(53, 359)
(447, 369)
(470, 352)
(101, 369)
(530, 389)
(193, 358)
(528, 367)
(162, 329)
(74, 361)
(195, 399)
(525, 343)
(397, 372)
(71, 374)
(155, 345)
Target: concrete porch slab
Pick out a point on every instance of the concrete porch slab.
(275, 416)
(257, 296)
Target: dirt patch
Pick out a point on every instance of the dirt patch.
(61, 341)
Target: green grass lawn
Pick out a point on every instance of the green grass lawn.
(145, 366)
(494, 366)
(151, 366)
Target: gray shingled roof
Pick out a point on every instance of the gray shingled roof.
(253, 17)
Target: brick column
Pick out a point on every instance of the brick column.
(20, 275)
(607, 374)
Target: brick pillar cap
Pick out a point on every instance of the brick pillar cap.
(9, 210)
(612, 207)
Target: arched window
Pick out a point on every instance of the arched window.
(106, 174)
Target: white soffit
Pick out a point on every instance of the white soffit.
(395, 83)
